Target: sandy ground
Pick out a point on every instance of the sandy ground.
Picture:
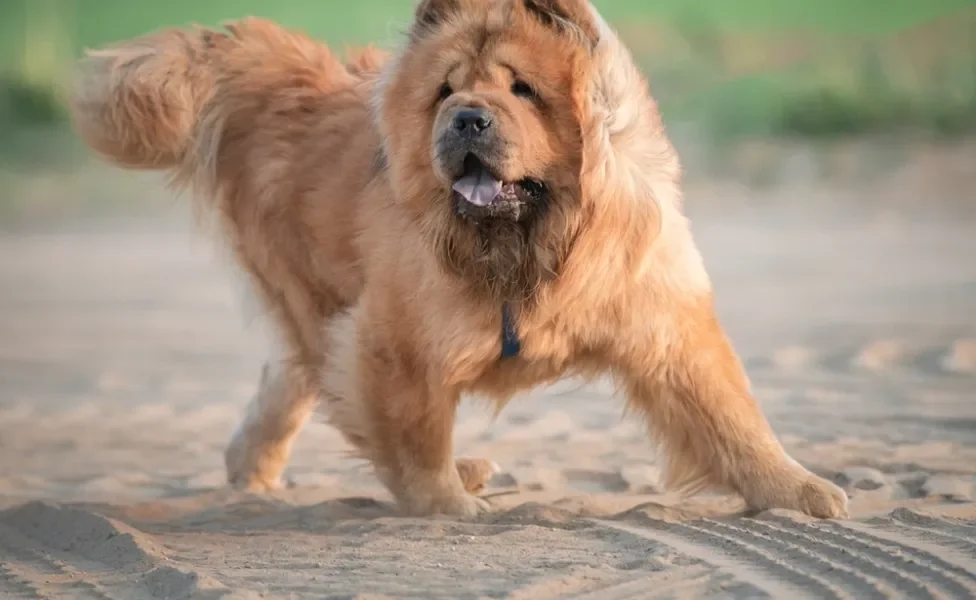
(125, 364)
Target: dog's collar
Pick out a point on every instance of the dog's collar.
(511, 346)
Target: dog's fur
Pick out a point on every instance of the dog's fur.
(336, 197)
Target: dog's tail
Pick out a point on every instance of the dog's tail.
(137, 103)
(167, 100)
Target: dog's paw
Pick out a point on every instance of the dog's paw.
(799, 490)
(252, 468)
(822, 499)
(476, 473)
(450, 503)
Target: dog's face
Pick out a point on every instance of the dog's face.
(490, 145)
(482, 123)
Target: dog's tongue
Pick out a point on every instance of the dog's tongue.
(478, 187)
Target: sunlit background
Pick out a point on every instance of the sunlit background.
(790, 69)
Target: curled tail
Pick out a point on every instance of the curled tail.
(137, 103)
(167, 100)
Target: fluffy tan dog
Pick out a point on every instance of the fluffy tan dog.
(493, 207)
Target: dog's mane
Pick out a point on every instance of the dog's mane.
(631, 172)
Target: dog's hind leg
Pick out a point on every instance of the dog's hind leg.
(261, 445)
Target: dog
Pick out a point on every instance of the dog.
(493, 206)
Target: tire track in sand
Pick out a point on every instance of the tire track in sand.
(683, 582)
(953, 534)
(752, 565)
(874, 559)
(855, 575)
(955, 577)
(787, 558)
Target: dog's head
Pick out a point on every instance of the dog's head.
(485, 116)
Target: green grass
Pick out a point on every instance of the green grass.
(920, 81)
(860, 17)
(718, 63)
(101, 21)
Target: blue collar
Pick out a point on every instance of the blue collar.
(511, 346)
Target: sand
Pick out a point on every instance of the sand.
(125, 363)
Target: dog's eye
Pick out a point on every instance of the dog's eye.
(523, 90)
(445, 92)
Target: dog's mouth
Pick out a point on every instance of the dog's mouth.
(482, 193)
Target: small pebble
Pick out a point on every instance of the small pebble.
(949, 487)
(642, 478)
(862, 478)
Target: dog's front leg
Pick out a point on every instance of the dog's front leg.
(684, 375)
(411, 424)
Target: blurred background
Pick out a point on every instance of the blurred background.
(808, 71)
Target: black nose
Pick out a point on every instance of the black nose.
(472, 121)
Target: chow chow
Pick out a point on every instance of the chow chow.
(491, 207)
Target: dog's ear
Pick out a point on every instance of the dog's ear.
(567, 16)
(430, 13)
